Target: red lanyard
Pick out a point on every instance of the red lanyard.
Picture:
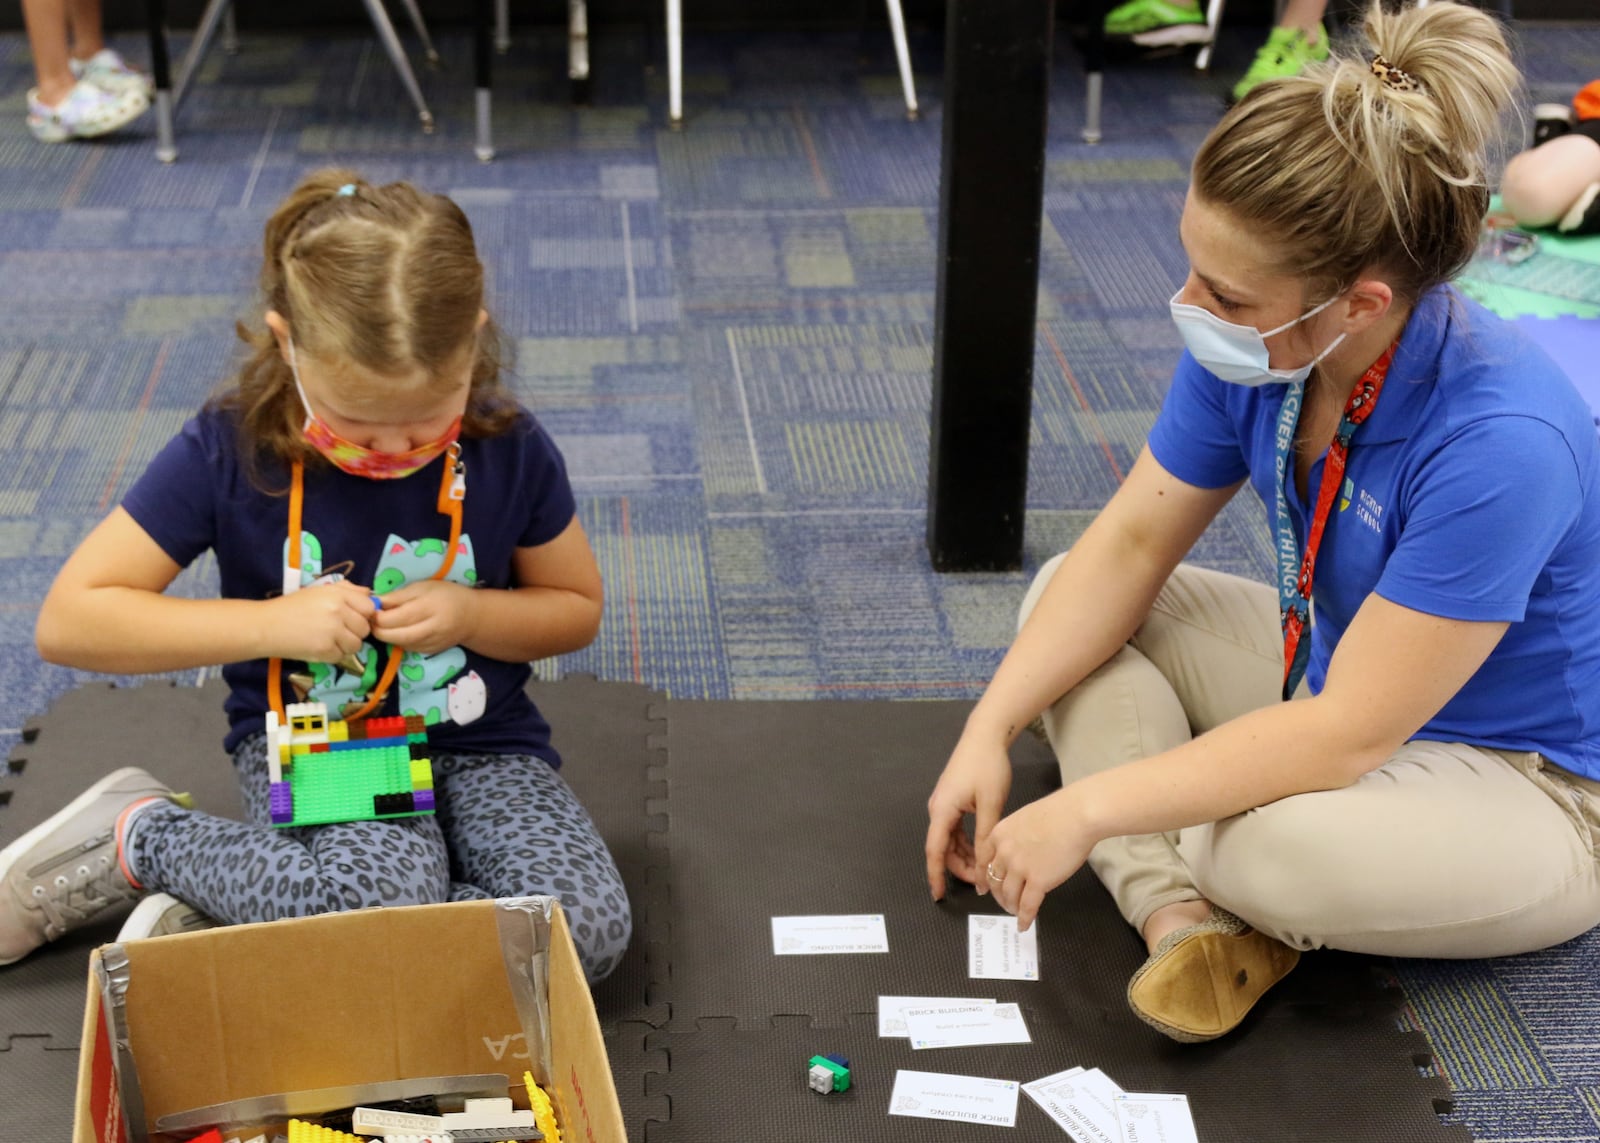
(1296, 614)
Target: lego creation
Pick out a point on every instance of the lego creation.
(331, 770)
(828, 1074)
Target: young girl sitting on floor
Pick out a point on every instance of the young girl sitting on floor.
(375, 498)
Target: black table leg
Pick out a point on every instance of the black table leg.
(997, 83)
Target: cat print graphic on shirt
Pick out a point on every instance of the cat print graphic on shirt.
(432, 686)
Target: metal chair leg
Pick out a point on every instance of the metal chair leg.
(578, 49)
(161, 72)
(675, 62)
(482, 58)
(1093, 95)
(230, 32)
(210, 21)
(502, 26)
(415, 15)
(902, 52)
(397, 53)
(1202, 59)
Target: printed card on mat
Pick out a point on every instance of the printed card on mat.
(1155, 1118)
(1081, 1102)
(892, 1015)
(997, 951)
(969, 1099)
(813, 936)
(966, 1025)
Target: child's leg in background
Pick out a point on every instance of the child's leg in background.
(513, 829)
(252, 871)
(46, 21)
(1541, 185)
(88, 35)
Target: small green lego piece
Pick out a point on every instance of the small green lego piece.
(841, 1074)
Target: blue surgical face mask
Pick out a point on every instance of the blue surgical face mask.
(1238, 353)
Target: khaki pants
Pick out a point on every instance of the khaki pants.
(1446, 850)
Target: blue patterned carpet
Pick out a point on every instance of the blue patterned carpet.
(728, 329)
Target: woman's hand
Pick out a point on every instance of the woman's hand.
(975, 781)
(318, 624)
(428, 616)
(1034, 850)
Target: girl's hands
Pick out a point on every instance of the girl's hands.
(318, 624)
(429, 616)
(1032, 851)
(975, 781)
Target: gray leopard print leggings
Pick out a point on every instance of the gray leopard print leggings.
(506, 826)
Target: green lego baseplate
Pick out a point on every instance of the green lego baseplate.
(325, 771)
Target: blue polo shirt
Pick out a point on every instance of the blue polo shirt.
(1472, 492)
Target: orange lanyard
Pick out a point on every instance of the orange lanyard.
(452, 495)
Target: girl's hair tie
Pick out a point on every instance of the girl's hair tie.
(346, 191)
(1394, 78)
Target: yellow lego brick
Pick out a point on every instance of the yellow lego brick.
(421, 774)
(303, 1132)
(339, 731)
(544, 1114)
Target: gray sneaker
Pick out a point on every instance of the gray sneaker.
(161, 915)
(64, 873)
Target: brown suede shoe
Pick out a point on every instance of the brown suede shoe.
(1202, 980)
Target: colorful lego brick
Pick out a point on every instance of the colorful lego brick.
(302, 1132)
(416, 724)
(421, 774)
(366, 744)
(423, 800)
(280, 803)
(393, 805)
(212, 1136)
(379, 1121)
(338, 730)
(544, 1112)
(431, 1137)
(308, 721)
(828, 1074)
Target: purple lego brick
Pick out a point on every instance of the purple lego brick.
(423, 800)
(280, 802)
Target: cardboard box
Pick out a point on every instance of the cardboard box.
(342, 998)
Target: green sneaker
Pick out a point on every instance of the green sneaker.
(1158, 23)
(1286, 53)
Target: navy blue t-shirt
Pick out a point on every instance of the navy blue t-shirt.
(197, 496)
(1472, 493)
